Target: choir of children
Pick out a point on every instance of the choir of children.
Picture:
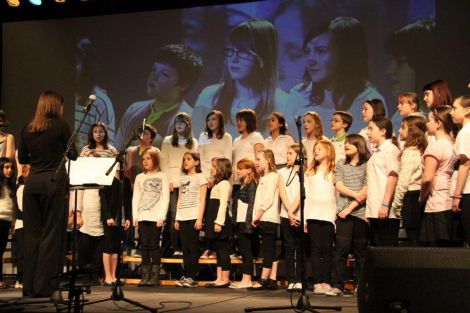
(356, 185)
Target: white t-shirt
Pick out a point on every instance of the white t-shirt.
(189, 199)
(462, 148)
(384, 161)
(279, 146)
(172, 158)
(213, 148)
(291, 178)
(19, 200)
(245, 148)
(320, 201)
(267, 198)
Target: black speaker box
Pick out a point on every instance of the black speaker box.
(413, 280)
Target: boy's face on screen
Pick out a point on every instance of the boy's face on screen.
(162, 82)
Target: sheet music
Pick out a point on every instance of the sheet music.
(86, 171)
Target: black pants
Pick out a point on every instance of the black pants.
(190, 245)
(90, 254)
(222, 247)
(351, 236)
(268, 230)
(322, 235)
(292, 237)
(246, 249)
(111, 242)
(5, 227)
(149, 236)
(171, 237)
(44, 233)
(412, 213)
(19, 253)
(465, 216)
(385, 231)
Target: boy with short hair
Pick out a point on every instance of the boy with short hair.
(175, 69)
(340, 122)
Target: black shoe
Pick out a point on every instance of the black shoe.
(262, 283)
(270, 285)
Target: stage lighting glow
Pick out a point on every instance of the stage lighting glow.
(60, 1)
(36, 2)
(13, 3)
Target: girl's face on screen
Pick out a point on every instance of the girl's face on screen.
(321, 58)
(240, 62)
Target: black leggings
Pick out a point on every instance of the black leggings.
(190, 245)
(267, 231)
(351, 236)
(149, 236)
(246, 249)
(222, 247)
(292, 237)
(321, 234)
(385, 231)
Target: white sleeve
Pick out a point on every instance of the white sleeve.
(224, 195)
(462, 146)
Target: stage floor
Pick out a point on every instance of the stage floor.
(176, 299)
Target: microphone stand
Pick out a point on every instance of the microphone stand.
(303, 303)
(117, 292)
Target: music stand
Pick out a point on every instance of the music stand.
(303, 304)
(85, 174)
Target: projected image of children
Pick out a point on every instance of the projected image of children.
(249, 79)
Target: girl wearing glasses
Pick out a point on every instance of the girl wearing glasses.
(174, 148)
(249, 79)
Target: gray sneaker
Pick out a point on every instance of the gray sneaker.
(189, 283)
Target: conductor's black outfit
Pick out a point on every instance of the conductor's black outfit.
(44, 207)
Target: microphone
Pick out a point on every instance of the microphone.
(89, 103)
(143, 129)
(298, 120)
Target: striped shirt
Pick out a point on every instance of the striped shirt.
(354, 178)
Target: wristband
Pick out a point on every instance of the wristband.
(384, 205)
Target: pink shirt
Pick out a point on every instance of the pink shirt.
(439, 200)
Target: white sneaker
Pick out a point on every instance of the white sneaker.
(318, 289)
(180, 282)
(189, 283)
(298, 286)
(290, 287)
(334, 292)
(326, 287)
(18, 285)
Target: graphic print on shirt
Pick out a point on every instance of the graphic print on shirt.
(189, 193)
(152, 191)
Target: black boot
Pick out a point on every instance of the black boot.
(154, 279)
(145, 274)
